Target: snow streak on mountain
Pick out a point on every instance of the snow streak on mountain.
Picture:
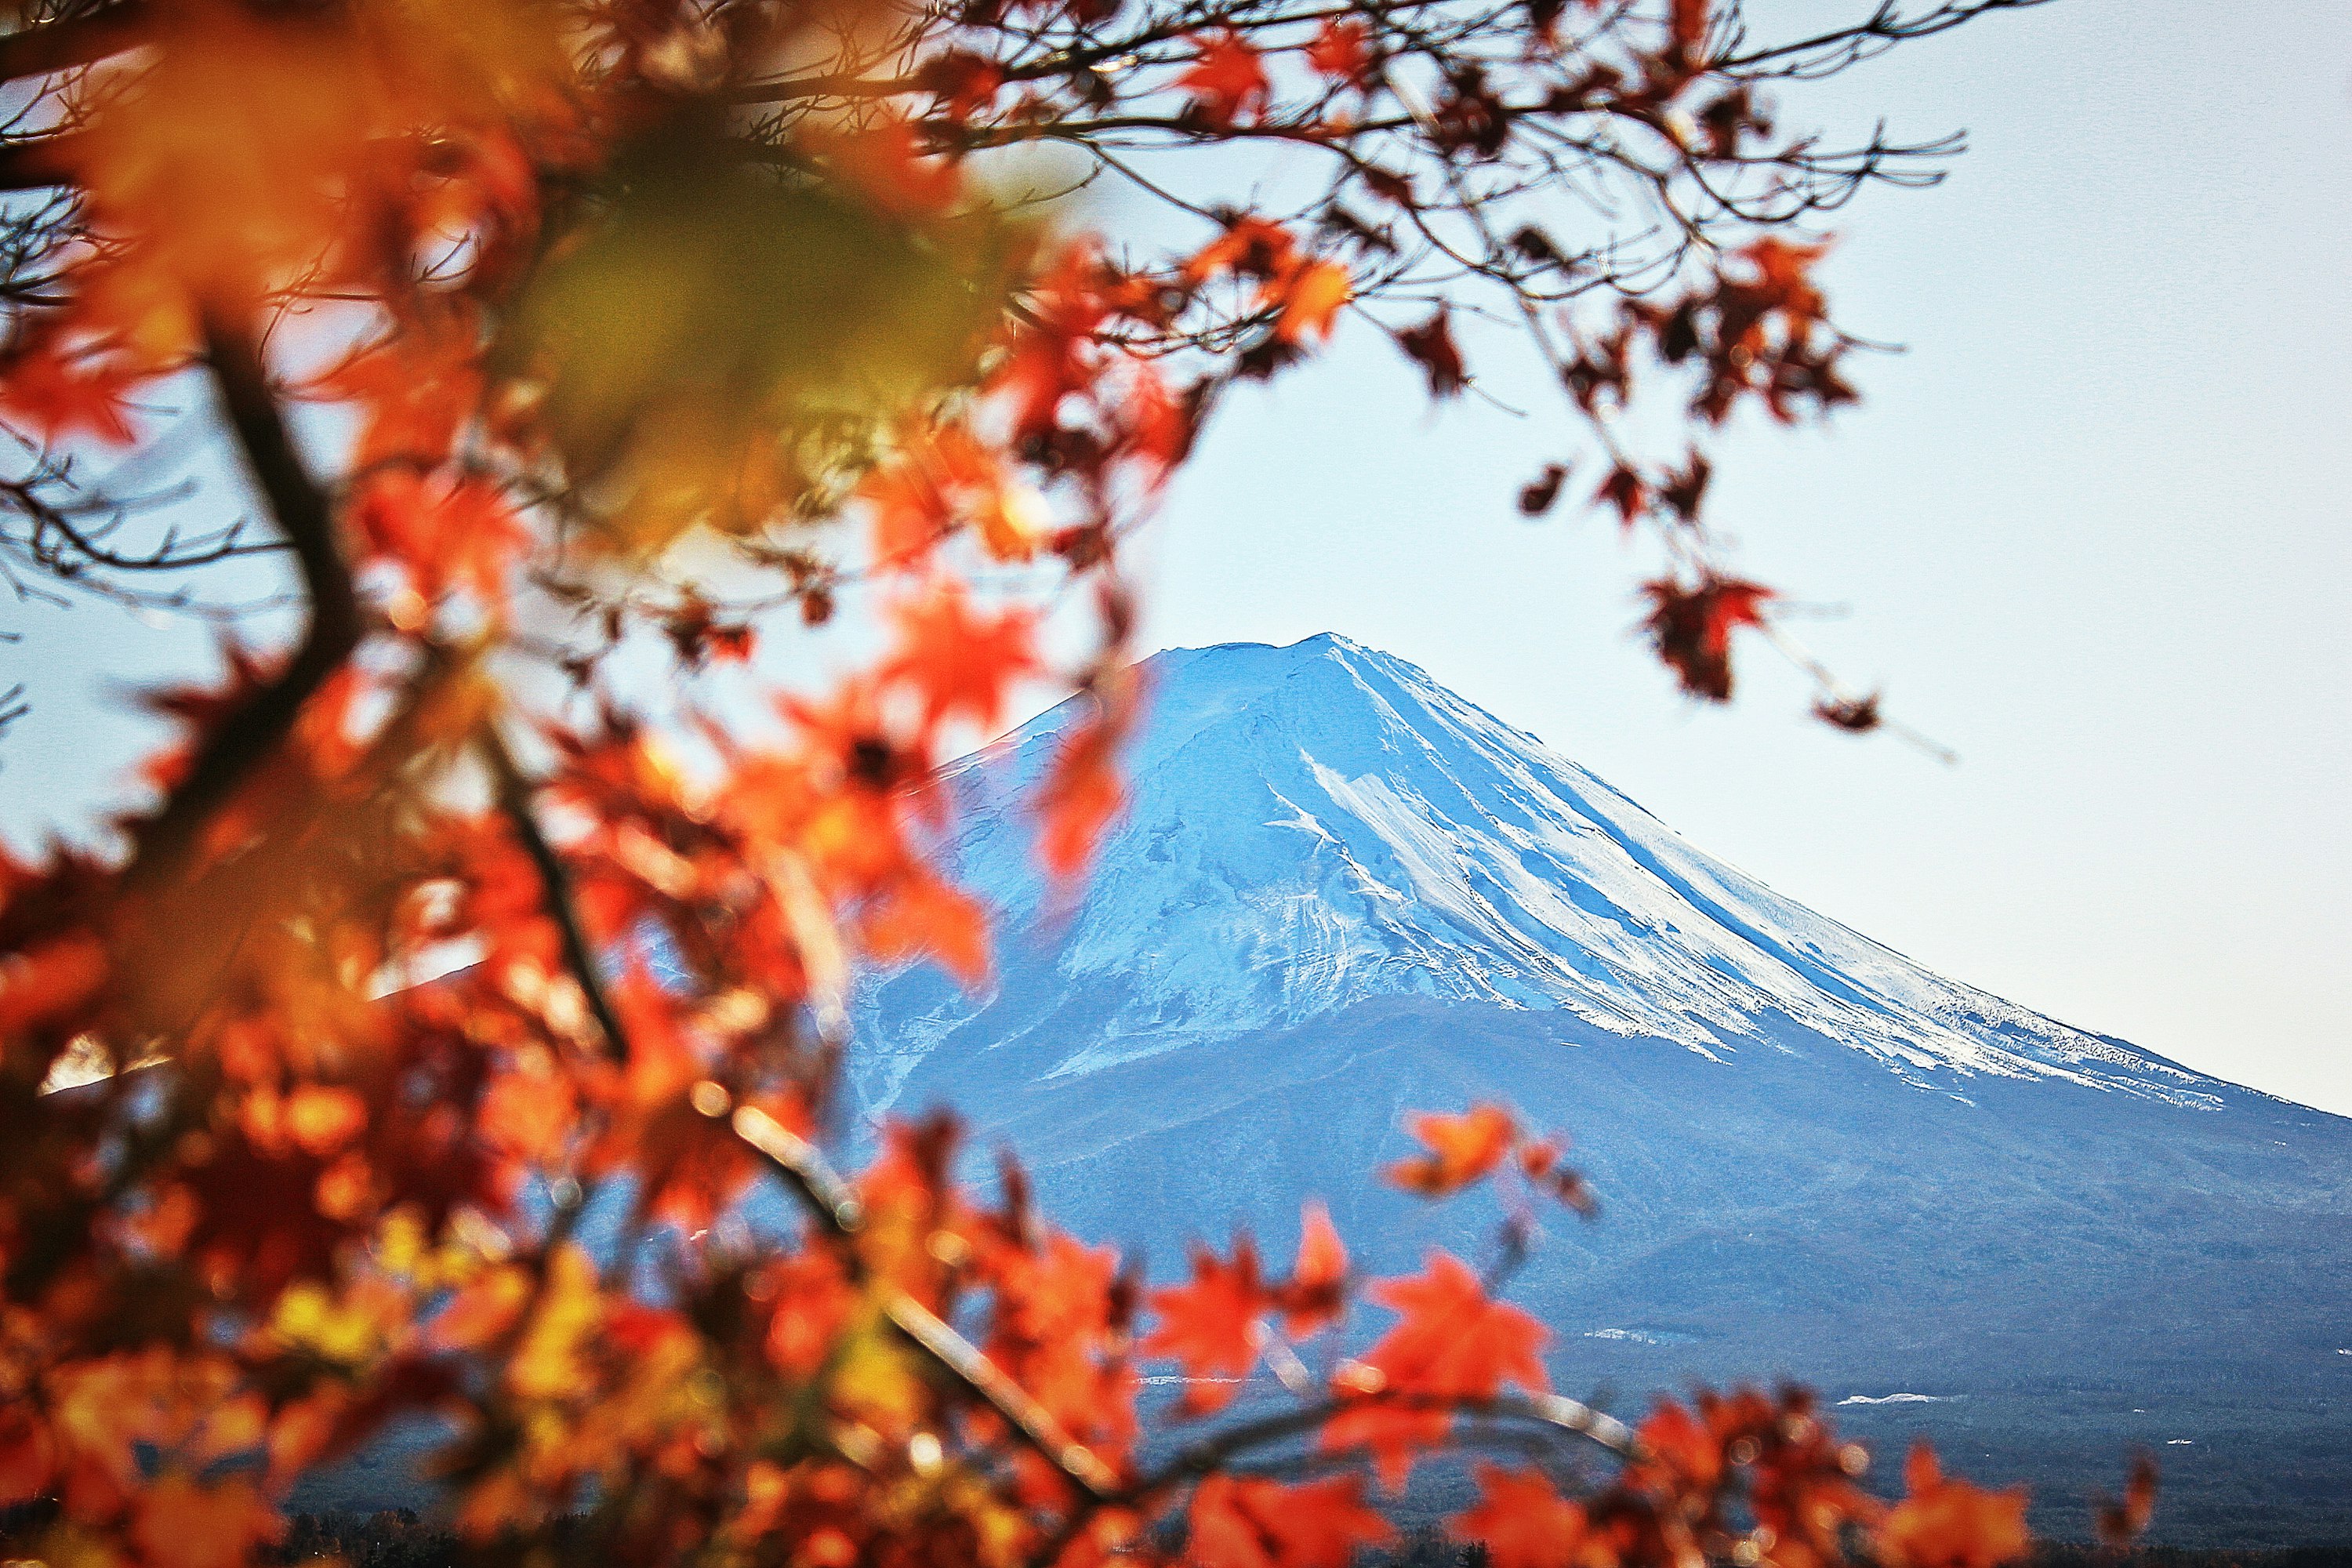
(1319, 824)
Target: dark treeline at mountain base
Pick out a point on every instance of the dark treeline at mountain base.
(401, 1539)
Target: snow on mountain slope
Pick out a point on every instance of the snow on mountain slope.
(1315, 825)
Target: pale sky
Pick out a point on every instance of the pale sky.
(2087, 531)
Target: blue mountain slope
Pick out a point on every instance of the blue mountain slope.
(1342, 892)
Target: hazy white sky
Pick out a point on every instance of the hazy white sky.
(2088, 529)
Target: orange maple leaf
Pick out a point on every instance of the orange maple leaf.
(1310, 297)
(1082, 791)
(1463, 1148)
(922, 916)
(919, 497)
(963, 660)
(1947, 1523)
(415, 390)
(1521, 1520)
(886, 163)
(323, 1118)
(813, 1299)
(1676, 1443)
(1454, 1340)
(1226, 79)
(183, 1525)
(1785, 276)
(1051, 353)
(443, 532)
(1253, 246)
(1211, 1325)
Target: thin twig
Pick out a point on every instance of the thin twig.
(555, 883)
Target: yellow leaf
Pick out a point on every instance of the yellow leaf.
(1311, 297)
(547, 1363)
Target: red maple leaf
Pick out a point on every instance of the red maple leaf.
(27, 1461)
(1521, 1520)
(1857, 715)
(1249, 1522)
(1625, 490)
(57, 394)
(1226, 79)
(1685, 487)
(2125, 1520)
(1688, 23)
(1536, 495)
(1432, 346)
(1316, 1293)
(1211, 1325)
(1453, 1344)
(1692, 628)
(1340, 51)
(964, 83)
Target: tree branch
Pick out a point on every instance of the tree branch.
(962, 1359)
(835, 1207)
(38, 163)
(251, 734)
(75, 41)
(803, 1167)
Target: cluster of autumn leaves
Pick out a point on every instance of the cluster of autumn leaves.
(345, 1089)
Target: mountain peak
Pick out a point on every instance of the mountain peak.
(1221, 678)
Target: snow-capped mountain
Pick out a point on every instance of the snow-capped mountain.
(1319, 824)
(1341, 892)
